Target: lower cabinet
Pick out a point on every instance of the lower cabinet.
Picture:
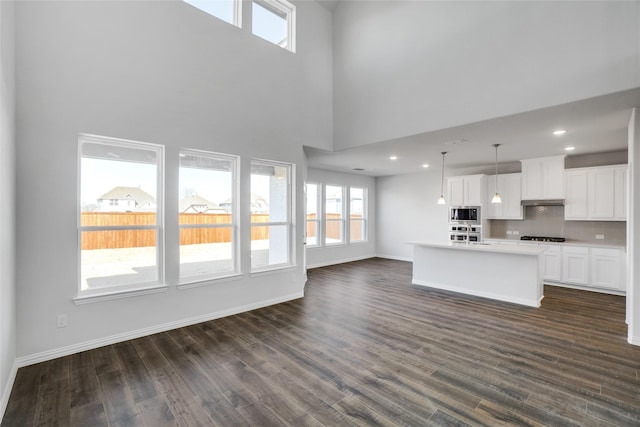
(607, 268)
(575, 265)
(552, 263)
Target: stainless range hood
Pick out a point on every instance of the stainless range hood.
(544, 202)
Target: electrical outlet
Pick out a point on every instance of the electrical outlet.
(516, 233)
(509, 232)
(600, 236)
(62, 321)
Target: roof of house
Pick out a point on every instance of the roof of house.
(197, 200)
(129, 193)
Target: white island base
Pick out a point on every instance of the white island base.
(499, 271)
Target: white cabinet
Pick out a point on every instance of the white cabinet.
(596, 194)
(543, 178)
(510, 190)
(575, 263)
(552, 263)
(607, 268)
(576, 204)
(469, 190)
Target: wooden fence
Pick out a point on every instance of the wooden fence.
(188, 236)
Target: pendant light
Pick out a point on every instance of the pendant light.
(496, 197)
(441, 200)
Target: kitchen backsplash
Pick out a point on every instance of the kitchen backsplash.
(549, 221)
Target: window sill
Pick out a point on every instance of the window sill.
(198, 283)
(274, 270)
(118, 294)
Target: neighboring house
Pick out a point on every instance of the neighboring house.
(126, 199)
(198, 204)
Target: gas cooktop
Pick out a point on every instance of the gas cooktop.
(543, 239)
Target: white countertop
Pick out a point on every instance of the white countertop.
(506, 248)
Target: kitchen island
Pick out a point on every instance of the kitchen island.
(504, 272)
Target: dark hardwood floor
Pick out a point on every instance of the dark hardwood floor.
(364, 347)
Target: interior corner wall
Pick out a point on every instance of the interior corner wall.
(161, 72)
(335, 254)
(633, 232)
(7, 205)
(409, 67)
(407, 212)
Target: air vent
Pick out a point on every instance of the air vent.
(358, 169)
(457, 142)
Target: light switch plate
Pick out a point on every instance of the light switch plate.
(600, 236)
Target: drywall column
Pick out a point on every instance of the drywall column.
(633, 238)
(7, 205)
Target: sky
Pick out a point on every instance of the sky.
(99, 176)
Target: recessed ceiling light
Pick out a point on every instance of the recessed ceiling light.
(569, 148)
(425, 165)
(559, 132)
(393, 158)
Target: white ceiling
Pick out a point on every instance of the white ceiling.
(594, 125)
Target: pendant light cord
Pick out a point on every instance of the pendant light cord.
(442, 179)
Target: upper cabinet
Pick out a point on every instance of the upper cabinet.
(543, 178)
(510, 190)
(468, 190)
(596, 194)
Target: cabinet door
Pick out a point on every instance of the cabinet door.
(531, 179)
(456, 191)
(606, 268)
(576, 203)
(575, 265)
(553, 178)
(473, 190)
(552, 260)
(601, 197)
(620, 194)
(511, 193)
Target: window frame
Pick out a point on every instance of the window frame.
(280, 7)
(365, 215)
(235, 232)
(341, 220)
(85, 295)
(289, 223)
(236, 20)
(318, 220)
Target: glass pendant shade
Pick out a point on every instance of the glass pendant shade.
(496, 198)
(441, 200)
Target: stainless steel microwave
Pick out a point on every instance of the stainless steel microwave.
(464, 214)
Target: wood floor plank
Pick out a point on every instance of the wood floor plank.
(364, 347)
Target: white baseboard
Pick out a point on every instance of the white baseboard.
(6, 393)
(340, 261)
(113, 339)
(477, 293)
(397, 258)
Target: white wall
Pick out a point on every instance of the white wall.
(160, 72)
(408, 67)
(407, 211)
(633, 237)
(334, 254)
(7, 205)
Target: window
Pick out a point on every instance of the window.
(357, 214)
(334, 214)
(275, 21)
(313, 216)
(120, 215)
(270, 214)
(227, 10)
(208, 243)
